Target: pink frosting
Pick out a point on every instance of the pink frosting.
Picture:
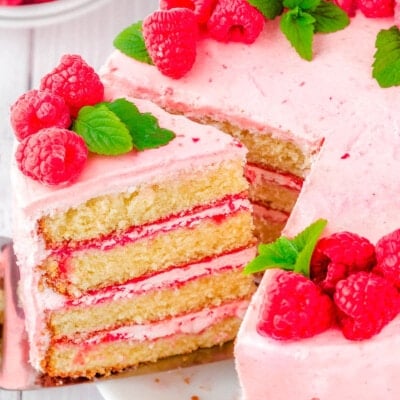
(266, 86)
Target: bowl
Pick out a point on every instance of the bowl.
(34, 15)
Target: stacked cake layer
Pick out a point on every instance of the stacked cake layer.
(140, 258)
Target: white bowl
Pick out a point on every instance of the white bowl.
(33, 15)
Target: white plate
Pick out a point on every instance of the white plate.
(213, 381)
(29, 16)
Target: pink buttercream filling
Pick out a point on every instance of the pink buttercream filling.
(258, 175)
(216, 212)
(192, 323)
(268, 214)
(172, 277)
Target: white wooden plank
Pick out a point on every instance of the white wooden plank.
(14, 80)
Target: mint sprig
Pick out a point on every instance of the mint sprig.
(269, 8)
(386, 66)
(298, 27)
(143, 127)
(288, 254)
(303, 18)
(131, 42)
(113, 128)
(102, 130)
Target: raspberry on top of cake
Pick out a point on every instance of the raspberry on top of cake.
(131, 228)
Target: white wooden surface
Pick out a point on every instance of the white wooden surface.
(25, 56)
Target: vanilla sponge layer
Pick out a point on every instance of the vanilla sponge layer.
(195, 294)
(67, 359)
(267, 225)
(264, 149)
(104, 214)
(95, 268)
(274, 196)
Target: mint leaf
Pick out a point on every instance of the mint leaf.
(306, 241)
(386, 67)
(269, 8)
(130, 42)
(298, 27)
(304, 5)
(102, 130)
(148, 134)
(289, 254)
(143, 127)
(125, 110)
(329, 17)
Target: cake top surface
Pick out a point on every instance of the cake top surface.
(354, 183)
(266, 85)
(193, 147)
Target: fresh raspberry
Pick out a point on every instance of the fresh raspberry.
(366, 303)
(201, 8)
(170, 37)
(75, 81)
(293, 307)
(376, 8)
(52, 156)
(10, 2)
(236, 21)
(349, 6)
(38, 109)
(388, 257)
(337, 256)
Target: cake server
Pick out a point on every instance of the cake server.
(16, 372)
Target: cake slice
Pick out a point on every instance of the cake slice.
(140, 257)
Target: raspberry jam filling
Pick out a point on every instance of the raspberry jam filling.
(217, 210)
(172, 277)
(259, 175)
